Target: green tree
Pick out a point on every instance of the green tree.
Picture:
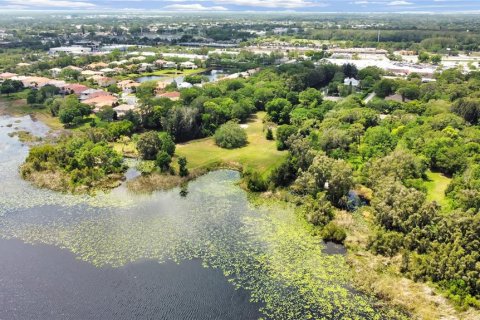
(230, 135)
(269, 134)
(279, 110)
(385, 87)
(436, 59)
(182, 167)
(378, 141)
(284, 132)
(310, 98)
(148, 145)
(163, 161)
(423, 57)
(469, 109)
(107, 114)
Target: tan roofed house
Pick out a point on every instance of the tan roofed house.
(97, 65)
(100, 102)
(93, 93)
(122, 109)
(89, 73)
(74, 68)
(128, 86)
(35, 82)
(108, 71)
(103, 81)
(55, 72)
(74, 88)
(57, 83)
(7, 75)
(174, 95)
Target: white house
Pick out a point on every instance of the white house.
(185, 85)
(55, 72)
(188, 65)
(351, 81)
(122, 109)
(166, 64)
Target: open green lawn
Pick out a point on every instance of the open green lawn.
(260, 154)
(436, 185)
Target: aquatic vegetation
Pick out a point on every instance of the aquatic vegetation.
(267, 250)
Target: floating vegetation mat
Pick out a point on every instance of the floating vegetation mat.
(267, 251)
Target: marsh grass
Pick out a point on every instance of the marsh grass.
(156, 180)
(25, 136)
(19, 107)
(381, 277)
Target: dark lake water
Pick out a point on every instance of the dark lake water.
(44, 282)
(210, 255)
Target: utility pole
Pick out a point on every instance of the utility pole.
(378, 36)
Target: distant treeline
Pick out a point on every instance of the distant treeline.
(430, 40)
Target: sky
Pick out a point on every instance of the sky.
(434, 6)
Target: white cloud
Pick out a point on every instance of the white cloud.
(51, 3)
(287, 4)
(399, 3)
(193, 7)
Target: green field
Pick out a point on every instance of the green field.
(436, 185)
(260, 154)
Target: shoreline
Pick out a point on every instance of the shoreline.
(420, 299)
(374, 275)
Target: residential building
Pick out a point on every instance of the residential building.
(351, 82)
(122, 109)
(188, 65)
(74, 88)
(174, 95)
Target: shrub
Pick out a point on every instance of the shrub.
(334, 233)
(150, 143)
(269, 134)
(283, 133)
(230, 136)
(182, 167)
(163, 161)
(254, 181)
(318, 211)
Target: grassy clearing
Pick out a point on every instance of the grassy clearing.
(128, 149)
(260, 154)
(436, 185)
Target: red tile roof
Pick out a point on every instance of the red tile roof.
(75, 88)
(171, 95)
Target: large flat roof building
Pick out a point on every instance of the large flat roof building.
(70, 50)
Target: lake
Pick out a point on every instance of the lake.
(212, 75)
(213, 254)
